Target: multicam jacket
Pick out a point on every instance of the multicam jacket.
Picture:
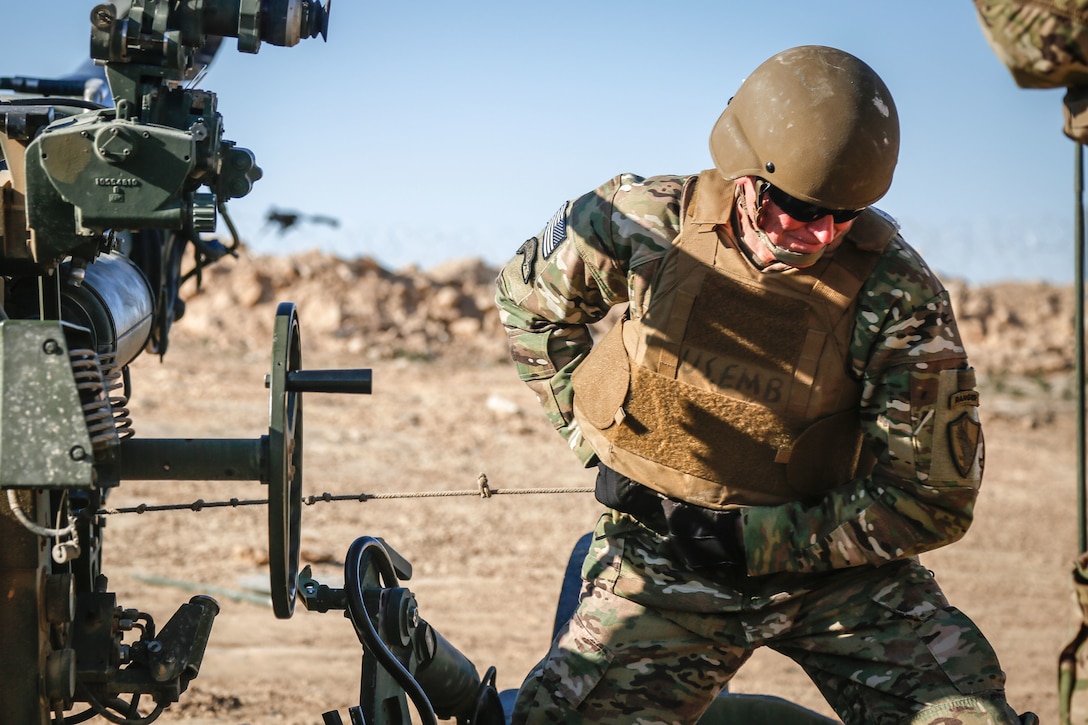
(1042, 42)
(605, 249)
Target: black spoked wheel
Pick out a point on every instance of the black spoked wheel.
(285, 463)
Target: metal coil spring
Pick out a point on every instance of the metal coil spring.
(113, 379)
(92, 391)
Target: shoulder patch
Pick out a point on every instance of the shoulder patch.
(527, 250)
(555, 232)
(964, 436)
(963, 398)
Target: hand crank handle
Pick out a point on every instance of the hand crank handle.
(329, 381)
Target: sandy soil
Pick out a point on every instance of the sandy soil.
(487, 572)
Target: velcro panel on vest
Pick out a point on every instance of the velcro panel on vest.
(748, 325)
(705, 435)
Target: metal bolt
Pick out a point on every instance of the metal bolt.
(77, 453)
(51, 347)
(102, 17)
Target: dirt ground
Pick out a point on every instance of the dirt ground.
(487, 571)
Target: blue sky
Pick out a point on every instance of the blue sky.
(438, 130)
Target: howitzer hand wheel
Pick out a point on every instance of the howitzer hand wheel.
(286, 384)
(284, 462)
(275, 460)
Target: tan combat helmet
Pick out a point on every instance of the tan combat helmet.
(815, 122)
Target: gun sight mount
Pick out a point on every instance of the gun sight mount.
(156, 32)
(99, 208)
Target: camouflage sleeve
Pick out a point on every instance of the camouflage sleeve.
(1042, 42)
(570, 275)
(919, 418)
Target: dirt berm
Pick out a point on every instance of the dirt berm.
(446, 407)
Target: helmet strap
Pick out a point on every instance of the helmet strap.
(794, 259)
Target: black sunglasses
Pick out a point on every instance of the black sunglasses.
(802, 211)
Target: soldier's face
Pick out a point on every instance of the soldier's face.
(809, 239)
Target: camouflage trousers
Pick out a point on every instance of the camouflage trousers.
(653, 641)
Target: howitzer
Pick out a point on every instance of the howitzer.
(101, 197)
(99, 204)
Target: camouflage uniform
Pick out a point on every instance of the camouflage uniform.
(1042, 42)
(831, 583)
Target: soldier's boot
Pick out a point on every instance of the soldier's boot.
(1029, 718)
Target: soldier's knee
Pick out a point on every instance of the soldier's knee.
(526, 706)
(980, 709)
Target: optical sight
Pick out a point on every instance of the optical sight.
(159, 32)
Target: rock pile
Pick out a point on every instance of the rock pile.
(1016, 328)
(357, 307)
(353, 306)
